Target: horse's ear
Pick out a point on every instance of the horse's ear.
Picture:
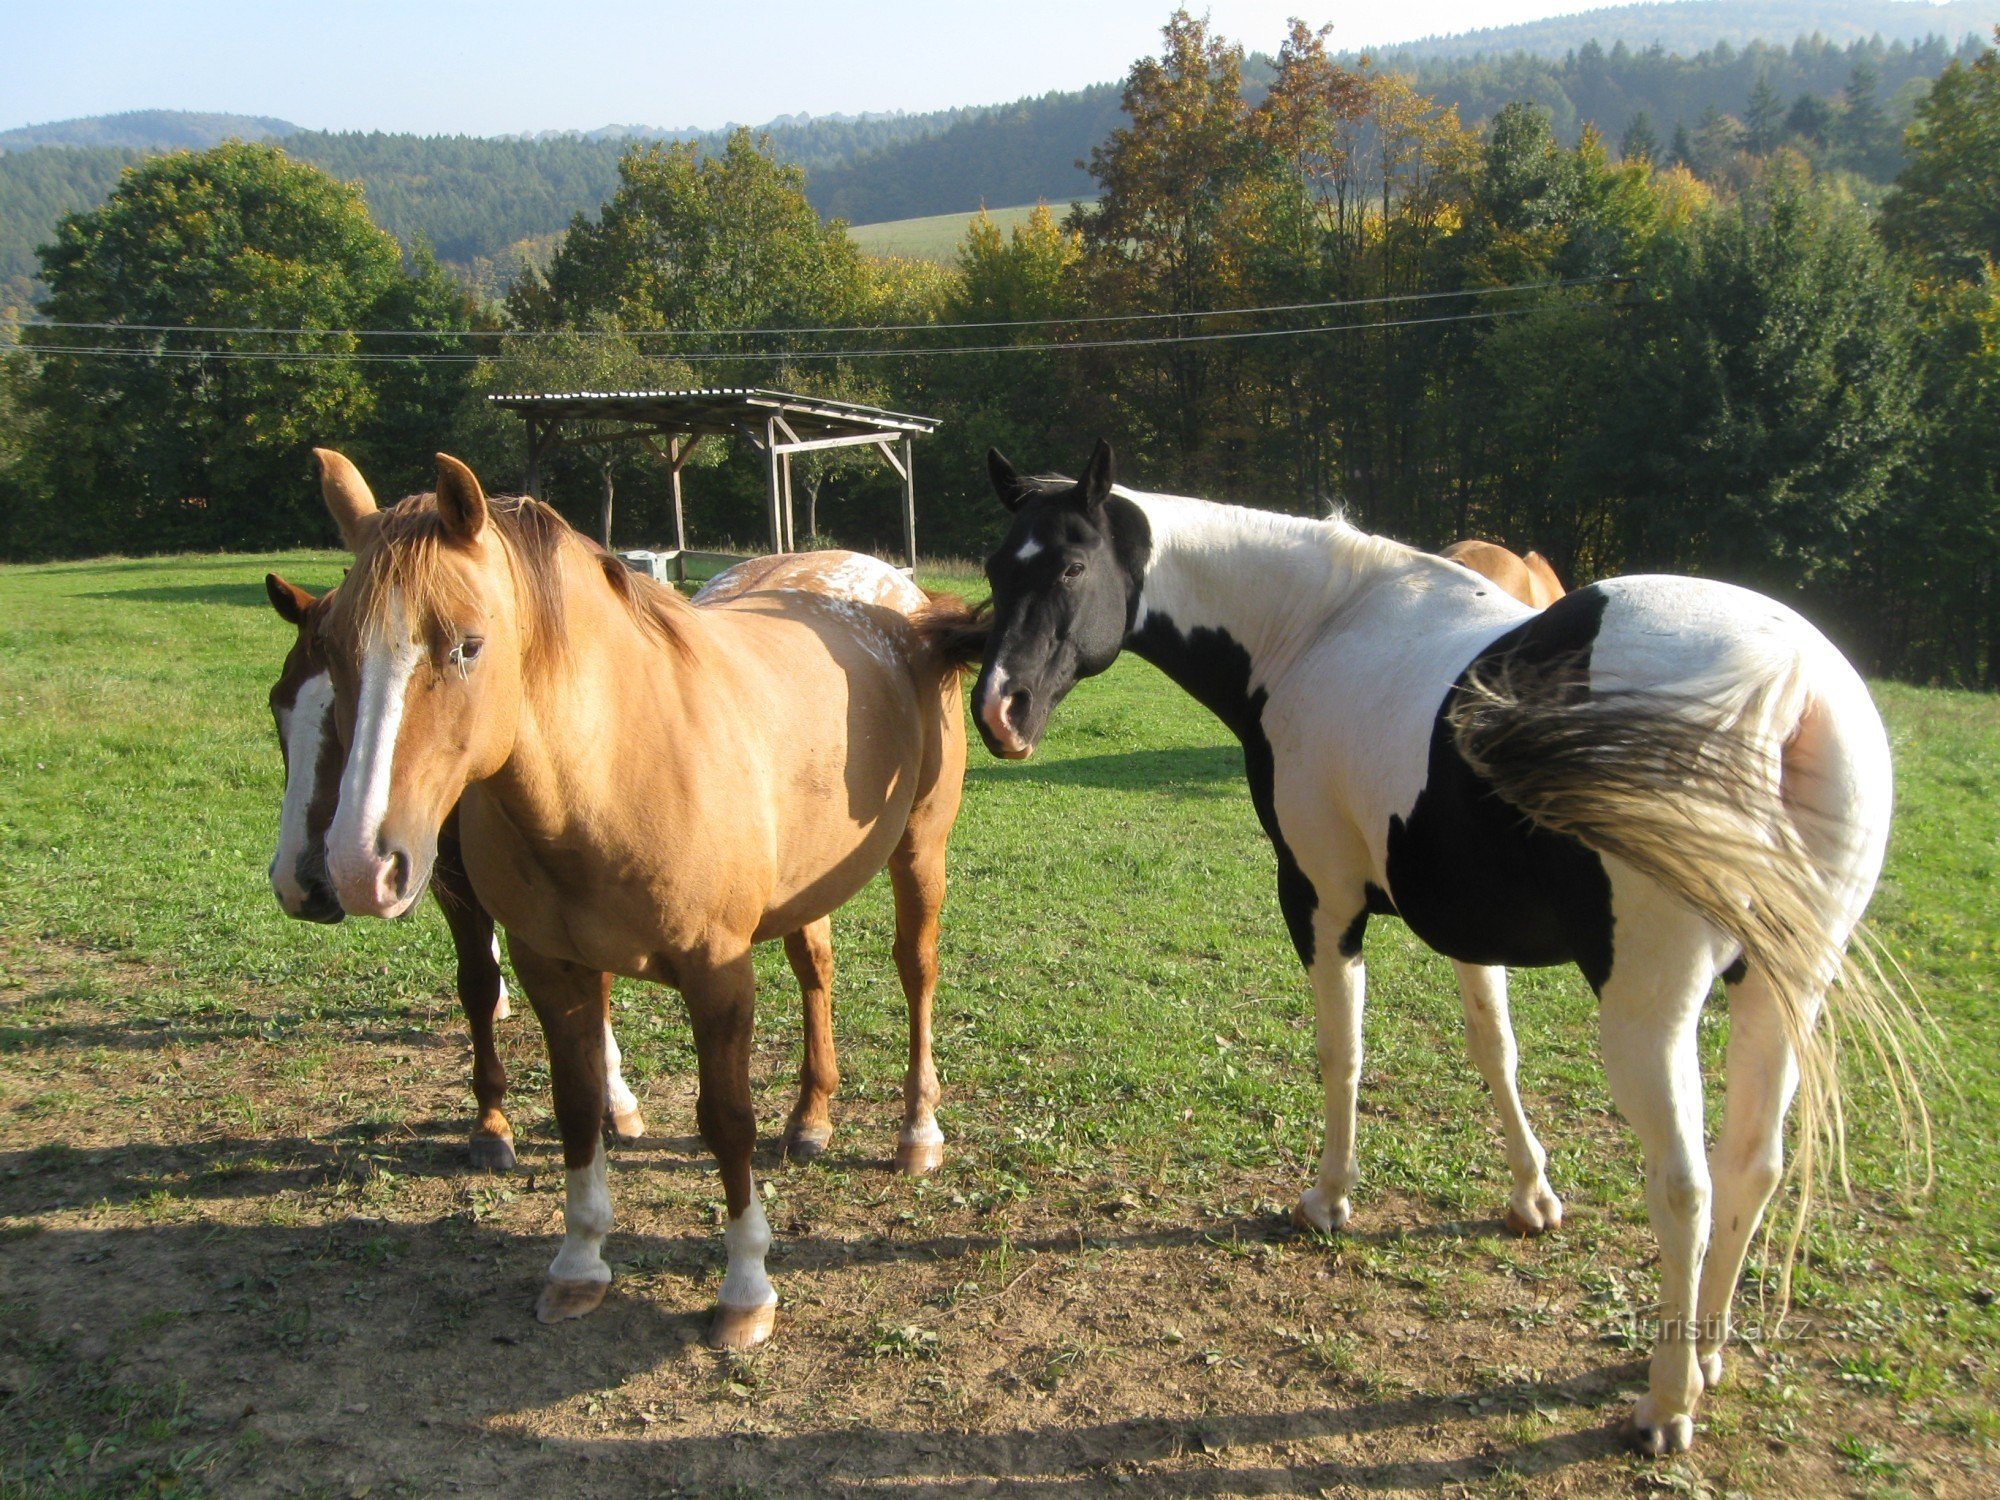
(1098, 477)
(1006, 479)
(288, 599)
(461, 502)
(347, 496)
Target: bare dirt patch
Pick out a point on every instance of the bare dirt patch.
(241, 1251)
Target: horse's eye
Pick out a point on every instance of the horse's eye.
(1074, 570)
(464, 654)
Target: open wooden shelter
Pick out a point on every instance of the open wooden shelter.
(673, 423)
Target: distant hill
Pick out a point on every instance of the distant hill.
(148, 130)
(1689, 26)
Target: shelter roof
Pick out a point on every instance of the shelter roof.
(722, 411)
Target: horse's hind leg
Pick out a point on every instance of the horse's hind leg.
(916, 874)
(1533, 1206)
(572, 1003)
(810, 1127)
(481, 995)
(1749, 1154)
(1647, 1023)
(721, 1000)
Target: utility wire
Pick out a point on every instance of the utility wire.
(703, 333)
(307, 356)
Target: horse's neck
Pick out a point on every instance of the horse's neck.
(582, 694)
(1221, 577)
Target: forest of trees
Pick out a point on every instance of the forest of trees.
(486, 206)
(1328, 290)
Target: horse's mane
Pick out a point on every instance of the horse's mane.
(411, 537)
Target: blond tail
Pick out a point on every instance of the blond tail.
(1686, 788)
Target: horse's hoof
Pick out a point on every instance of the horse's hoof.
(561, 1300)
(1315, 1216)
(1530, 1227)
(492, 1153)
(1658, 1438)
(742, 1328)
(627, 1126)
(919, 1158)
(805, 1145)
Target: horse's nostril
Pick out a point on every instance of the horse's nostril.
(1017, 705)
(399, 873)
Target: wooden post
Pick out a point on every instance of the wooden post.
(771, 462)
(532, 482)
(910, 500)
(791, 530)
(680, 524)
(604, 468)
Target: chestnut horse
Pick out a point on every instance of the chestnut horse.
(1529, 579)
(644, 788)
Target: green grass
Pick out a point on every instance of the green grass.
(936, 237)
(1117, 981)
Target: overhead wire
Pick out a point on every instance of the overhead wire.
(352, 356)
(1053, 320)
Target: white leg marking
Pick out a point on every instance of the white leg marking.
(1489, 1033)
(747, 1237)
(618, 1097)
(1339, 988)
(303, 730)
(352, 858)
(586, 1221)
(501, 1009)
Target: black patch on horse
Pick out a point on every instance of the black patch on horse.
(1470, 874)
(1214, 667)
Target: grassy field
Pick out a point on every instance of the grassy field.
(239, 1250)
(936, 237)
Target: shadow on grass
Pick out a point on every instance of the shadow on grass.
(248, 595)
(271, 1330)
(1199, 768)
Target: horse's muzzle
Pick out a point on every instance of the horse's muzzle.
(998, 711)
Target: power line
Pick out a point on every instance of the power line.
(703, 333)
(307, 356)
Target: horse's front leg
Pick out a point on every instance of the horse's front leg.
(721, 998)
(482, 995)
(1533, 1206)
(572, 1003)
(1339, 985)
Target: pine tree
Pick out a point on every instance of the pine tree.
(1763, 117)
(1639, 143)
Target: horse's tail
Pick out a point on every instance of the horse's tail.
(954, 630)
(1705, 789)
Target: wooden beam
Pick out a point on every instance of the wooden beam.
(909, 467)
(771, 462)
(604, 468)
(678, 456)
(889, 454)
(852, 440)
(791, 529)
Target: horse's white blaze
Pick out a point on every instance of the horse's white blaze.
(303, 730)
(352, 856)
(1029, 548)
(586, 1221)
(747, 1238)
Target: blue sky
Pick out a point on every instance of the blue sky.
(502, 66)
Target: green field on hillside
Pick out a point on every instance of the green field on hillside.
(934, 238)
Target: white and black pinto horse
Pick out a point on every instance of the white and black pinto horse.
(1657, 779)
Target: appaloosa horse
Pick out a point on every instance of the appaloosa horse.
(1657, 779)
(302, 705)
(643, 788)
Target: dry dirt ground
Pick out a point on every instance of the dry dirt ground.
(249, 1259)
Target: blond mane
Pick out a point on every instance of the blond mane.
(405, 559)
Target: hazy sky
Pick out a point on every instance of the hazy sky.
(501, 66)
